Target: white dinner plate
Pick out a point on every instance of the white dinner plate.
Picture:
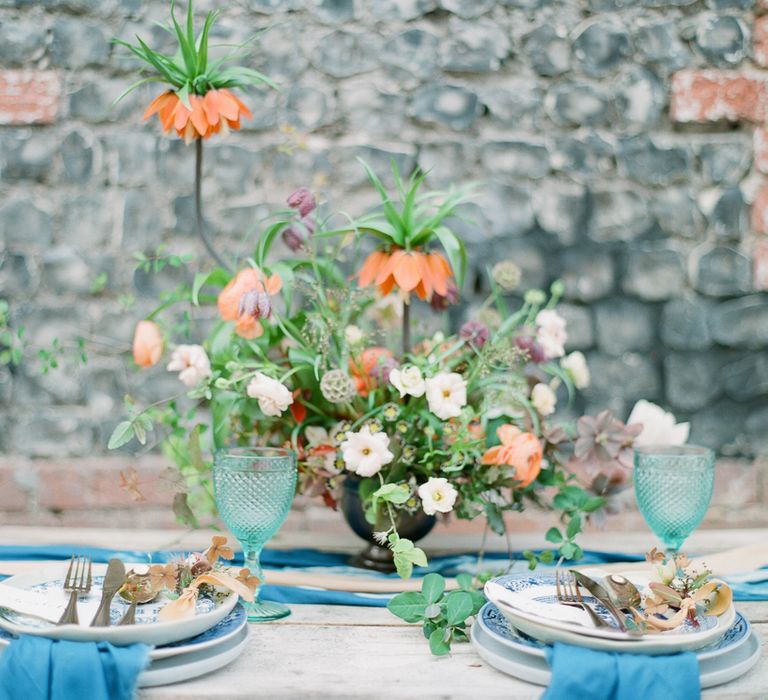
(184, 667)
(147, 630)
(530, 605)
(716, 671)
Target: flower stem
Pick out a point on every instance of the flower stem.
(199, 220)
(406, 328)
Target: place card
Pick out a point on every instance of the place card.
(48, 605)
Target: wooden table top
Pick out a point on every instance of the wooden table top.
(356, 652)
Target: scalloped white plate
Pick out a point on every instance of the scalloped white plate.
(147, 630)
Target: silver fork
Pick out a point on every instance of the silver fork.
(77, 581)
(567, 591)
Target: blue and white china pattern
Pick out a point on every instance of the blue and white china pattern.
(498, 627)
(145, 614)
(517, 583)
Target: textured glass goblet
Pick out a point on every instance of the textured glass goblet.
(254, 489)
(673, 487)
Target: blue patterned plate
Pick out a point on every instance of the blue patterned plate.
(524, 601)
(501, 631)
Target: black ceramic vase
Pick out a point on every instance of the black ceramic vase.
(374, 556)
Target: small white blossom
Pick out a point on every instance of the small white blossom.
(408, 380)
(273, 397)
(192, 364)
(365, 453)
(437, 496)
(543, 399)
(354, 335)
(659, 427)
(551, 333)
(576, 366)
(446, 394)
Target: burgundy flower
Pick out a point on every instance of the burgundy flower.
(303, 200)
(475, 333)
(535, 351)
(293, 238)
(440, 302)
(383, 368)
(255, 303)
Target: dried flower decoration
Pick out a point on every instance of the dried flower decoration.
(129, 482)
(163, 576)
(251, 582)
(218, 549)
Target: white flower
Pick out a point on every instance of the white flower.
(192, 364)
(543, 399)
(274, 398)
(353, 335)
(576, 365)
(437, 496)
(446, 394)
(550, 333)
(365, 453)
(659, 427)
(408, 381)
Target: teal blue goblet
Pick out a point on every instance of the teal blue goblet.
(254, 489)
(673, 487)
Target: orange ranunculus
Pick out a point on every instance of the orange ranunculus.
(147, 344)
(519, 450)
(408, 270)
(230, 298)
(216, 111)
(362, 367)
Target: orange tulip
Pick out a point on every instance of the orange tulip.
(248, 280)
(219, 110)
(362, 367)
(408, 270)
(519, 450)
(147, 344)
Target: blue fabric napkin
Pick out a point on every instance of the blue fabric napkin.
(35, 668)
(601, 675)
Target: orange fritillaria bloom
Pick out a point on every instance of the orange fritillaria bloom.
(408, 270)
(519, 450)
(218, 110)
(361, 367)
(250, 279)
(147, 344)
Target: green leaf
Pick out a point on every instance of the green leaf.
(465, 581)
(568, 550)
(408, 606)
(437, 642)
(574, 527)
(428, 628)
(403, 565)
(433, 587)
(456, 252)
(593, 504)
(266, 240)
(393, 493)
(547, 556)
(140, 432)
(553, 535)
(216, 278)
(432, 611)
(121, 435)
(458, 607)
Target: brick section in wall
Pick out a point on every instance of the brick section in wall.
(29, 96)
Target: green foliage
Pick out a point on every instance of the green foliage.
(189, 70)
(157, 261)
(99, 283)
(443, 615)
(138, 425)
(406, 555)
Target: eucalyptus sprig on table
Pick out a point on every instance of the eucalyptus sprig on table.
(443, 615)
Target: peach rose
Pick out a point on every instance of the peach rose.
(519, 450)
(147, 344)
(247, 325)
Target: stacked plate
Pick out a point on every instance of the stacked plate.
(184, 649)
(513, 632)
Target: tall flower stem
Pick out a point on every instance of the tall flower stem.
(199, 220)
(406, 327)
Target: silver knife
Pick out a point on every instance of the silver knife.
(602, 595)
(113, 581)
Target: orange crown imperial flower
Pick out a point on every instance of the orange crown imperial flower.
(408, 270)
(519, 450)
(217, 111)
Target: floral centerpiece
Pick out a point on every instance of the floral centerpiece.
(317, 350)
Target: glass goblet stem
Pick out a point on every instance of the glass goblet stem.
(253, 562)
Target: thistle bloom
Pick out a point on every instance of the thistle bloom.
(446, 394)
(192, 364)
(519, 450)
(245, 299)
(273, 397)
(535, 352)
(408, 270)
(217, 111)
(475, 333)
(303, 200)
(437, 496)
(366, 452)
(147, 344)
